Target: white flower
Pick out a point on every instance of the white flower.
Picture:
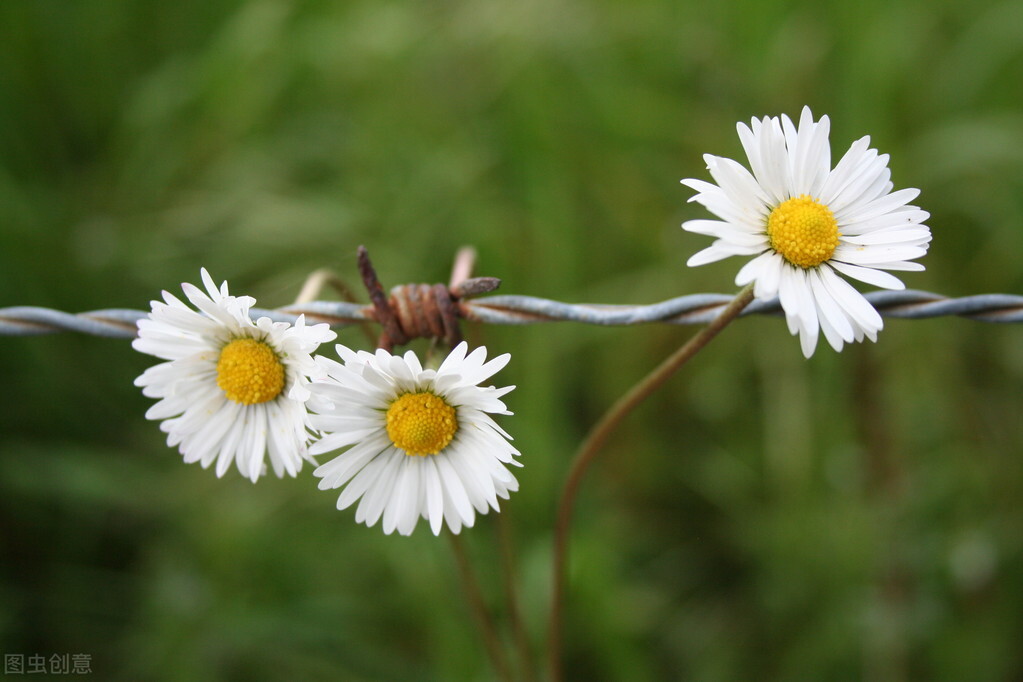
(806, 223)
(419, 442)
(232, 389)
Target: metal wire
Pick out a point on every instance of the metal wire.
(692, 309)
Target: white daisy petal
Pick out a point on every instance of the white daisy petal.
(870, 179)
(444, 458)
(739, 185)
(878, 207)
(754, 270)
(860, 312)
(230, 444)
(413, 496)
(831, 334)
(915, 235)
(454, 359)
(900, 265)
(253, 420)
(711, 254)
(434, 496)
(803, 222)
(832, 318)
(455, 490)
(478, 483)
(373, 486)
(845, 172)
(728, 233)
(723, 207)
(879, 278)
(808, 340)
(874, 254)
(770, 276)
(397, 508)
(903, 218)
(340, 470)
(795, 296)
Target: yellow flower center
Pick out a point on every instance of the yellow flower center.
(421, 423)
(803, 231)
(250, 372)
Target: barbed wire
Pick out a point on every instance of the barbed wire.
(693, 309)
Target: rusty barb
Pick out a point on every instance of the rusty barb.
(414, 311)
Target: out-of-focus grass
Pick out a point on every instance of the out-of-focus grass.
(852, 517)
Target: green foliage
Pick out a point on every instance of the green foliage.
(852, 517)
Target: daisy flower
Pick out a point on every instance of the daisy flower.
(232, 390)
(417, 442)
(807, 223)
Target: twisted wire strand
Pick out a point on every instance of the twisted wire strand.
(693, 309)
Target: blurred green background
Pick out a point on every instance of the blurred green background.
(856, 516)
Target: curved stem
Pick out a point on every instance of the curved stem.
(518, 627)
(484, 622)
(595, 440)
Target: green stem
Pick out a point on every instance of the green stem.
(512, 597)
(595, 440)
(484, 622)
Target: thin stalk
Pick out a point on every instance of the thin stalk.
(592, 445)
(484, 622)
(527, 669)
